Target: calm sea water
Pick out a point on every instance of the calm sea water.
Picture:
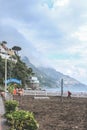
(65, 89)
(75, 92)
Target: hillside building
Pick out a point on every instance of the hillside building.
(33, 83)
(7, 53)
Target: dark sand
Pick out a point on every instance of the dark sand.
(52, 114)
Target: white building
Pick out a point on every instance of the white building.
(33, 82)
(6, 53)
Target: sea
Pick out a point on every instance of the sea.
(65, 89)
(75, 91)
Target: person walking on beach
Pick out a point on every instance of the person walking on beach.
(69, 94)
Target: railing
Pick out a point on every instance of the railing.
(42, 93)
(57, 93)
(47, 94)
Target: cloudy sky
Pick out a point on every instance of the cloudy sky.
(50, 32)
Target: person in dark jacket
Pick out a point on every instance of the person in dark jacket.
(69, 94)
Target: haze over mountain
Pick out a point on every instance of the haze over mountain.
(49, 77)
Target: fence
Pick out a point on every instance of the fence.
(46, 93)
(57, 93)
(42, 93)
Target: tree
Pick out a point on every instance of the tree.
(16, 49)
(21, 71)
(30, 71)
(4, 42)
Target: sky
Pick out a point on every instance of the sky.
(51, 33)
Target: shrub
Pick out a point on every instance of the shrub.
(19, 119)
(11, 105)
(22, 120)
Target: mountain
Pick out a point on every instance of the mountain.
(42, 77)
(49, 77)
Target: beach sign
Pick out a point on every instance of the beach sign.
(13, 80)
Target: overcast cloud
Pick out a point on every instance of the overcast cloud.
(50, 32)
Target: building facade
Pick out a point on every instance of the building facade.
(33, 83)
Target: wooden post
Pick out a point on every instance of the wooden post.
(62, 90)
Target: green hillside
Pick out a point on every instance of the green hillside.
(17, 70)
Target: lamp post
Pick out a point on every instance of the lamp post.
(5, 75)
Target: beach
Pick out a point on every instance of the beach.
(55, 114)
